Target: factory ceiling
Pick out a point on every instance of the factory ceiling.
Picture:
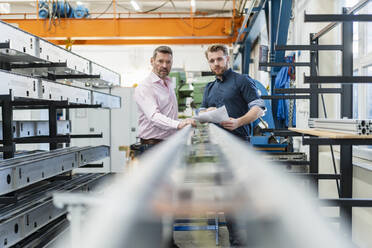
(131, 21)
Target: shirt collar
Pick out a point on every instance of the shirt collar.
(156, 79)
(224, 75)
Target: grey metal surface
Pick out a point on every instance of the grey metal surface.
(135, 192)
(107, 100)
(351, 126)
(21, 86)
(49, 90)
(106, 75)
(23, 171)
(32, 213)
(27, 87)
(20, 46)
(91, 154)
(23, 129)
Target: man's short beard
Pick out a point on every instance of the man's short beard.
(224, 69)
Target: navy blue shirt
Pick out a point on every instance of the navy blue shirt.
(237, 92)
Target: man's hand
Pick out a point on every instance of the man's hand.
(208, 109)
(186, 122)
(231, 124)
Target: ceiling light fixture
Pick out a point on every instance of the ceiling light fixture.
(4, 8)
(135, 5)
(193, 5)
(79, 3)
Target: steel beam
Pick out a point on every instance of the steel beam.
(281, 64)
(338, 18)
(308, 90)
(286, 97)
(346, 202)
(346, 150)
(132, 29)
(337, 79)
(17, 221)
(309, 47)
(329, 141)
(20, 172)
(314, 111)
(330, 26)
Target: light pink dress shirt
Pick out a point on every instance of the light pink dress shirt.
(157, 107)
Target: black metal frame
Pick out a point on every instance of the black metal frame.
(345, 176)
(8, 103)
(54, 77)
(38, 65)
(347, 79)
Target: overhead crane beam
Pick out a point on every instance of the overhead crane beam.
(198, 30)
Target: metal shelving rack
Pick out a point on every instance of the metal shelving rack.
(30, 68)
(344, 178)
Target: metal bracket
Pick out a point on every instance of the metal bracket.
(337, 79)
(309, 47)
(338, 18)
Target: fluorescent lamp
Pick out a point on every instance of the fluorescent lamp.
(193, 4)
(4, 8)
(135, 5)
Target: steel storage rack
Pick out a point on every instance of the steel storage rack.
(30, 72)
(23, 51)
(344, 178)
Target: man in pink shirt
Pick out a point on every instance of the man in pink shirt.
(157, 103)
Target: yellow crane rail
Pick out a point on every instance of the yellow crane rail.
(116, 31)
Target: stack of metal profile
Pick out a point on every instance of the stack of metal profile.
(27, 183)
(350, 126)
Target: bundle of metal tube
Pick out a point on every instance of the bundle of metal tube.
(351, 126)
(199, 171)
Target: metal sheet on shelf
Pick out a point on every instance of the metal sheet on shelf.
(107, 100)
(18, 40)
(23, 129)
(21, 86)
(32, 213)
(23, 171)
(50, 90)
(10, 56)
(89, 155)
(107, 76)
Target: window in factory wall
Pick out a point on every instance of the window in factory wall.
(355, 39)
(355, 96)
(368, 38)
(369, 94)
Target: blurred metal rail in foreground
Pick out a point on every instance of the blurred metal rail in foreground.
(198, 171)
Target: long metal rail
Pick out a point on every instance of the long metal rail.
(194, 173)
(17, 221)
